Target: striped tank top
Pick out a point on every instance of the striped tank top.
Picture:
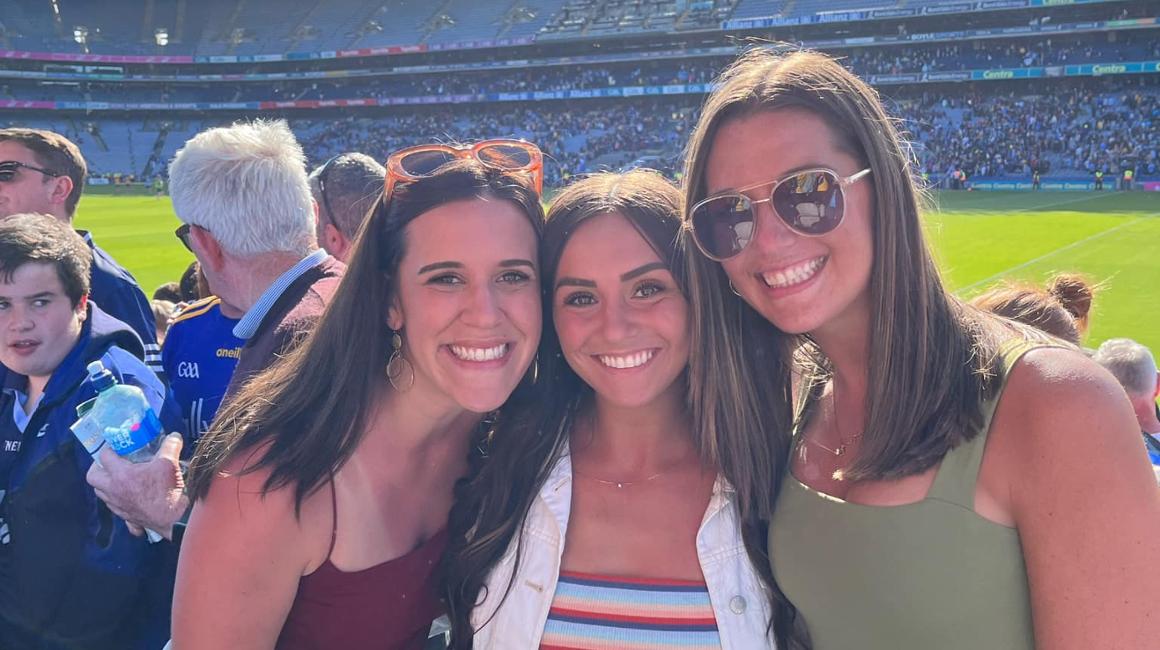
(594, 612)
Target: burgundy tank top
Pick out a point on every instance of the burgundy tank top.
(389, 606)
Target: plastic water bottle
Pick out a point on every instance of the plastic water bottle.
(123, 416)
(119, 416)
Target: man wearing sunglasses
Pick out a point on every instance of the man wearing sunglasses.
(248, 216)
(345, 188)
(43, 172)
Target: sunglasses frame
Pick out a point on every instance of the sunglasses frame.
(16, 164)
(396, 173)
(182, 234)
(328, 216)
(842, 181)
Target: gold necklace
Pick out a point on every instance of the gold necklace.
(843, 443)
(619, 484)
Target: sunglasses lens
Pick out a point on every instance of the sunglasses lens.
(810, 203)
(723, 225)
(424, 163)
(506, 156)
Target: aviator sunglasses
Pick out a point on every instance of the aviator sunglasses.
(414, 163)
(810, 202)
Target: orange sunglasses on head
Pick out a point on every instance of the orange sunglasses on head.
(413, 163)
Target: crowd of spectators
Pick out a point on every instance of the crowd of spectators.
(1077, 131)
(1053, 127)
(985, 54)
(982, 54)
(574, 140)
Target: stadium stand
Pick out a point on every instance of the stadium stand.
(598, 83)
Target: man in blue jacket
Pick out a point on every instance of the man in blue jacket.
(44, 172)
(71, 574)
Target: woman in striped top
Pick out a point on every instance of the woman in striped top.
(594, 611)
(598, 519)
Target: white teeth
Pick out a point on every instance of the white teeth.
(479, 354)
(793, 275)
(627, 361)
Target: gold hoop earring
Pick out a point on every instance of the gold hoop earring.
(398, 366)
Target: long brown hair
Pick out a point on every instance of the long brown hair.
(310, 408)
(516, 458)
(932, 358)
(1060, 309)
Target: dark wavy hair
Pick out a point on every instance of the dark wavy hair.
(40, 239)
(514, 460)
(310, 408)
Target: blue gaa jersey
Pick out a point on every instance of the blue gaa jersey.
(199, 355)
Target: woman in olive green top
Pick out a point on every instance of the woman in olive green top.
(953, 481)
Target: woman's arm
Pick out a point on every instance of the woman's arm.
(1086, 505)
(241, 559)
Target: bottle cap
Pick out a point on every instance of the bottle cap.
(99, 376)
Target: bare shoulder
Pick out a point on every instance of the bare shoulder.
(238, 505)
(242, 558)
(1083, 498)
(1064, 425)
(1055, 396)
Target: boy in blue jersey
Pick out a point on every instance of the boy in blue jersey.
(199, 356)
(71, 574)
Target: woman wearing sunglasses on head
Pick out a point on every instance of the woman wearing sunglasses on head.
(322, 489)
(953, 483)
(598, 518)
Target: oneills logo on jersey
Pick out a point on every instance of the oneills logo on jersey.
(229, 352)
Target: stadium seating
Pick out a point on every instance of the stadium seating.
(1002, 129)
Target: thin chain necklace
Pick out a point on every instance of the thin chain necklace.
(843, 443)
(619, 484)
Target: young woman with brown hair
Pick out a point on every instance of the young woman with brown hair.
(600, 515)
(322, 489)
(953, 484)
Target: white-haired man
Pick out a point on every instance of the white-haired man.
(247, 214)
(1134, 367)
(345, 188)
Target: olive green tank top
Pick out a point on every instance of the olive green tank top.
(925, 575)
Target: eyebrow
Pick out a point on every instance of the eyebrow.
(773, 180)
(624, 277)
(507, 264)
(641, 270)
(575, 282)
(35, 296)
(439, 266)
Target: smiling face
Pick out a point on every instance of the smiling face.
(38, 322)
(622, 321)
(27, 190)
(799, 283)
(468, 301)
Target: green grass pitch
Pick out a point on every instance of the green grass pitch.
(979, 238)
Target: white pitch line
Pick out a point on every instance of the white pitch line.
(1052, 253)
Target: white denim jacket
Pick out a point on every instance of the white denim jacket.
(739, 599)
